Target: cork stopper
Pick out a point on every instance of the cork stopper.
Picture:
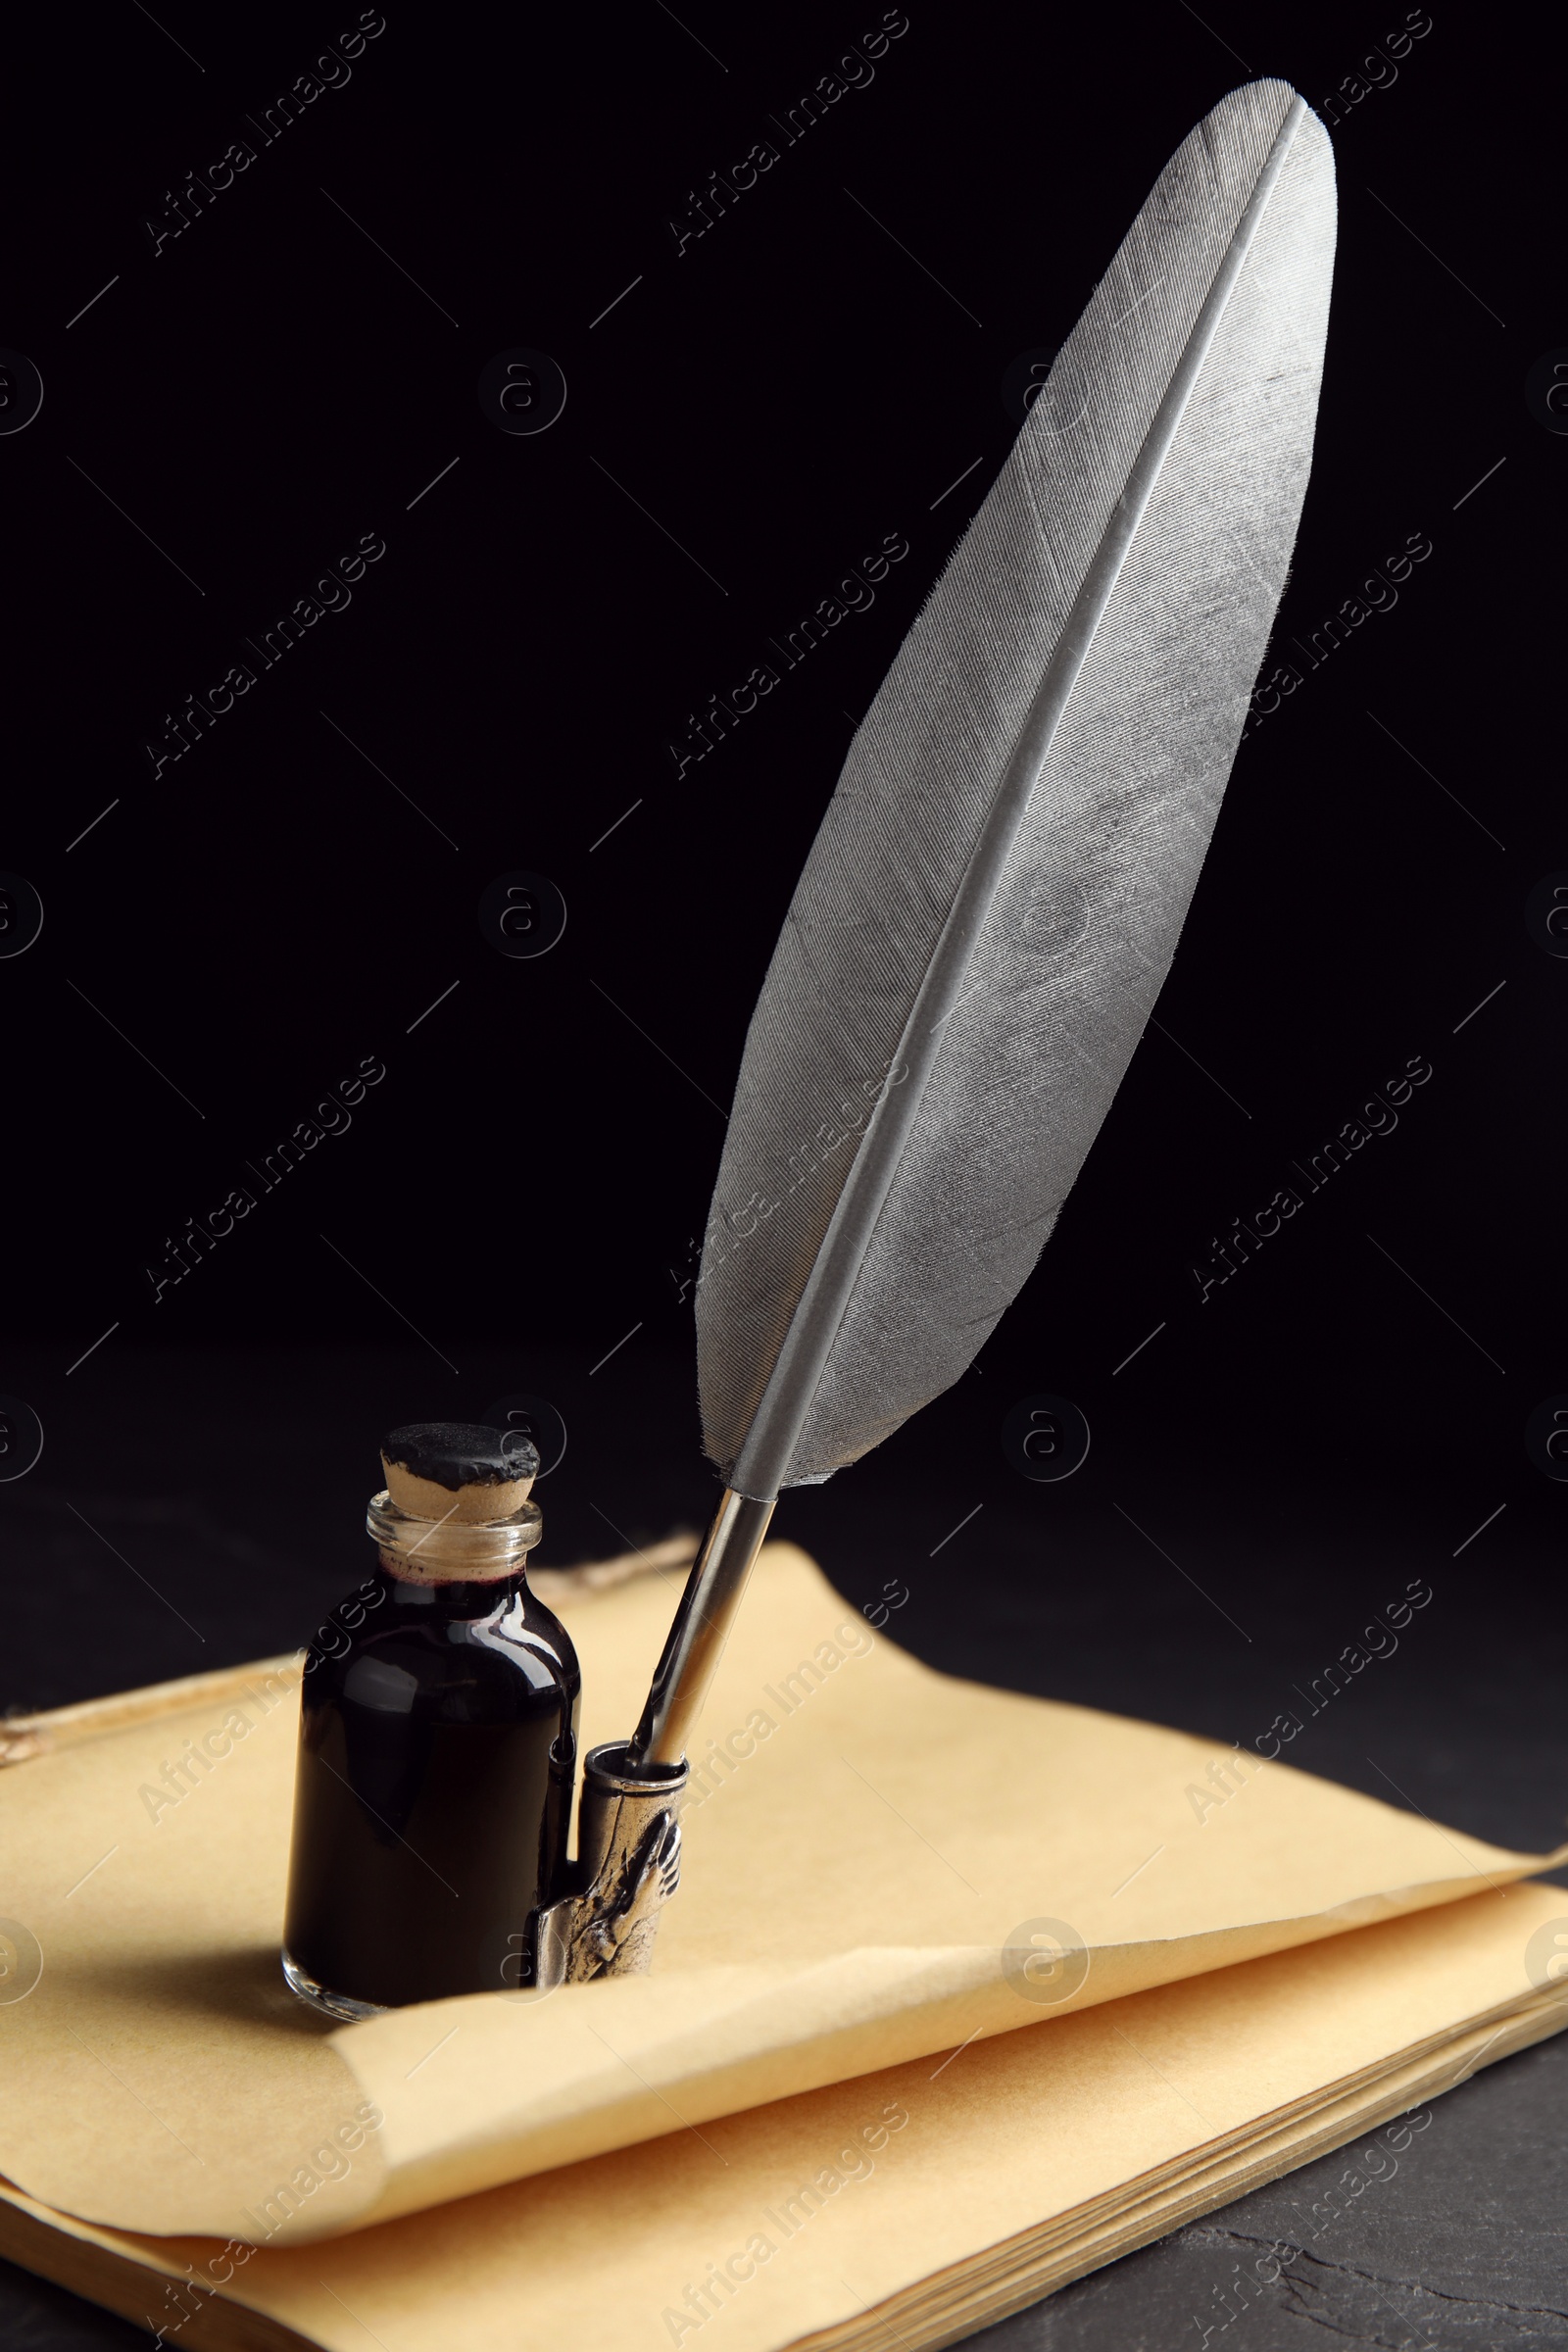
(458, 1470)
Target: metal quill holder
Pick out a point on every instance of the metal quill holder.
(627, 1866)
(628, 1822)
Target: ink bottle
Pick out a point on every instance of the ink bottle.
(437, 1750)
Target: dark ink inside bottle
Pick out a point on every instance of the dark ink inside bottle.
(437, 1742)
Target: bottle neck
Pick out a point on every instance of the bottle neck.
(451, 1596)
(448, 1553)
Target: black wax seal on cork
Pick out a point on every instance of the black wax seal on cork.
(462, 1470)
(461, 1453)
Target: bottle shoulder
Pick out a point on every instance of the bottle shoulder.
(383, 1653)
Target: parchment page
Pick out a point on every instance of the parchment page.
(866, 1873)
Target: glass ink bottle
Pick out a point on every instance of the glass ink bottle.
(437, 1750)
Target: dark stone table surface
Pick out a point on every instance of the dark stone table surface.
(200, 1508)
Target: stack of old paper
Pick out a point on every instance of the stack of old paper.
(964, 1994)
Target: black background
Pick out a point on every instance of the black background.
(525, 1185)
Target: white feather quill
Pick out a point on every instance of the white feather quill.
(996, 891)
